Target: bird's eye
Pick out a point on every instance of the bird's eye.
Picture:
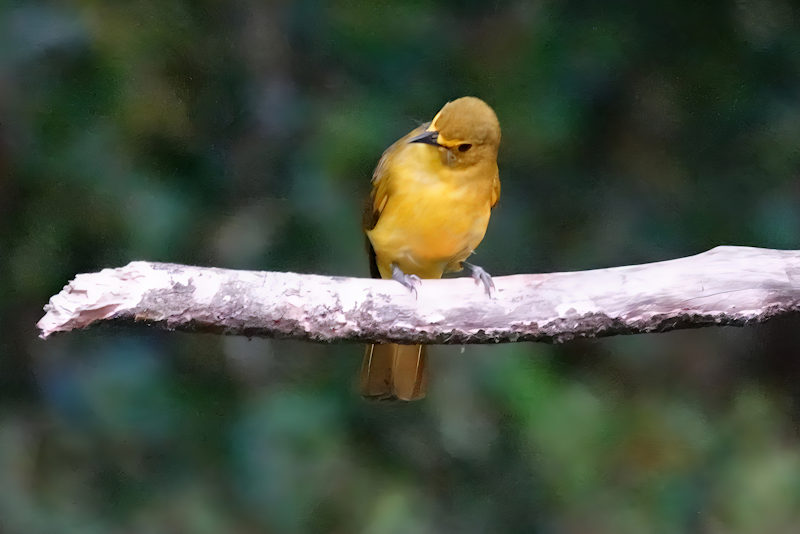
(463, 147)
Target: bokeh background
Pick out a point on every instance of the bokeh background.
(243, 134)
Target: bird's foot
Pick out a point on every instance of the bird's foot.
(480, 276)
(409, 281)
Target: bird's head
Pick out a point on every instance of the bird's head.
(465, 130)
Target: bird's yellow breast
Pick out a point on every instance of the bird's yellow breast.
(432, 216)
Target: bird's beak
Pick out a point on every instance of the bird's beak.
(429, 137)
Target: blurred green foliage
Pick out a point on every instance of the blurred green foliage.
(243, 134)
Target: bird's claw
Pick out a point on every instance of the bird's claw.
(480, 276)
(409, 281)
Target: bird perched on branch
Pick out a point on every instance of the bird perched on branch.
(432, 194)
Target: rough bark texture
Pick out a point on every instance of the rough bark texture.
(724, 286)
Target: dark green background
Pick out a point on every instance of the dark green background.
(242, 134)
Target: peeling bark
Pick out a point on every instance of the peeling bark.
(724, 286)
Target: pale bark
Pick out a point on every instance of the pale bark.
(724, 286)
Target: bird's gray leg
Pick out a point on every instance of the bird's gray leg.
(480, 276)
(409, 281)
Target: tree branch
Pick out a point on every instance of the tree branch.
(724, 286)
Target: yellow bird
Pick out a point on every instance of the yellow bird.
(432, 194)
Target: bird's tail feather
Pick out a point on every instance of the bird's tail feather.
(394, 372)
